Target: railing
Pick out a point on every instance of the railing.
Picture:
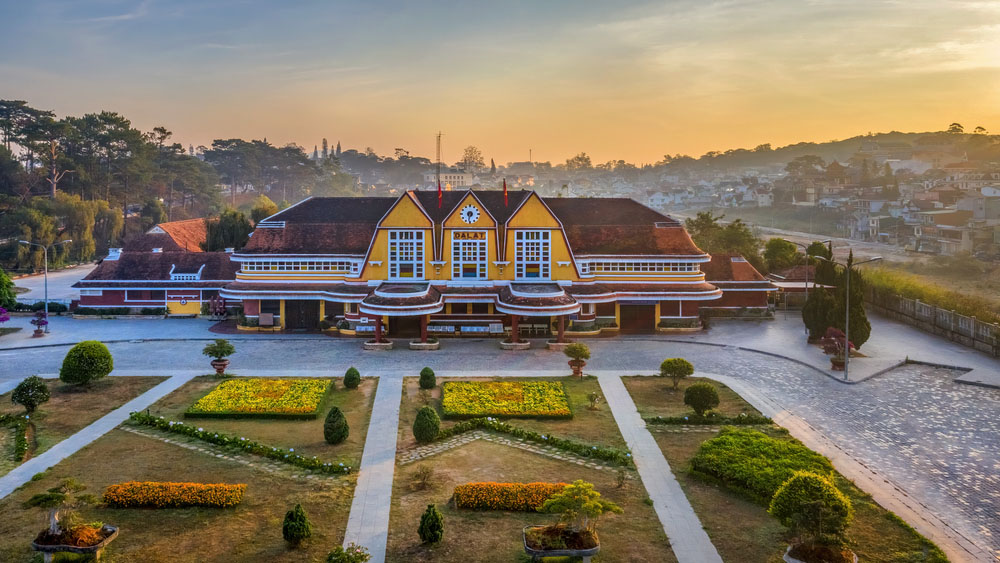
(963, 329)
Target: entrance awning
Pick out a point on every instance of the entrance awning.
(402, 300)
(536, 300)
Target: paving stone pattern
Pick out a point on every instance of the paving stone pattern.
(256, 462)
(421, 452)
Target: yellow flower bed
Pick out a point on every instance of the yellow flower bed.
(505, 398)
(524, 497)
(173, 495)
(294, 398)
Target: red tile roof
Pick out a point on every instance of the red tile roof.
(723, 268)
(149, 266)
(172, 236)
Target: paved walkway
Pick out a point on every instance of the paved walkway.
(60, 283)
(368, 524)
(23, 473)
(688, 538)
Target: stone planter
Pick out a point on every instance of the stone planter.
(536, 554)
(789, 559)
(38, 333)
(49, 551)
(837, 364)
(417, 345)
(577, 367)
(220, 366)
(372, 345)
(558, 346)
(522, 345)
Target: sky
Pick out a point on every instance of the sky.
(618, 80)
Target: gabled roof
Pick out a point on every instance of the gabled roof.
(171, 236)
(150, 266)
(730, 268)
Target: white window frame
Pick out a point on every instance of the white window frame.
(459, 250)
(522, 240)
(637, 268)
(411, 244)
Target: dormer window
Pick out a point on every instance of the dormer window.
(185, 275)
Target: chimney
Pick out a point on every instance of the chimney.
(230, 250)
(114, 253)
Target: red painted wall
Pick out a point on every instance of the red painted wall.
(251, 307)
(740, 299)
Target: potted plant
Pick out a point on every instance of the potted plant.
(40, 321)
(577, 353)
(66, 533)
(575, 535)
(219, 351)
(833, 345)
(817, 515)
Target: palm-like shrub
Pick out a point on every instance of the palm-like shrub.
(427, 425)
(296, 526)
(813, 507)
(352, 378)
(85, 362)
(702, 397)
(335, 428)
(427, 378)
(431, 528)
(676, 369)
(577, 351)
(219, 350)
(30, 393)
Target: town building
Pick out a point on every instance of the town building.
(474, 263)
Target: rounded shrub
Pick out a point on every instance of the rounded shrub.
(427, 379)
(676, 369)
(431, 528)
(335, 428)
(296, 526)
(30, 393)
(352, 378)
(811, 505)
(85, 362)
(702, 397)
(427, 425)
(577, 351)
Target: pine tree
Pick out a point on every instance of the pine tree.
(426, 425)
(315, 152)
(860, 329)
(338, 148)
(335, 428)
(431, 528)
(818, 312)
(296, 526)
(493, 168)
(826, 272)
(427, 378)
(326, 149)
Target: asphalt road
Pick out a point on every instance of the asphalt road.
(60, 283)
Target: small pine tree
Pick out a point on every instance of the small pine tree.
(701, 397)
(335, 428)
(431, 525)
(427, 425)
(427, 379)
(352, 378)
(30, 393)
(676, 369)
(817, 312)
(85, 362)
(296, 526)
(860, 329)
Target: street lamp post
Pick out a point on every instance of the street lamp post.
(847, 310)
(45, 253)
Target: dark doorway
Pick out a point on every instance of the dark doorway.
(408, 327)
(637, 318)
(301, 315)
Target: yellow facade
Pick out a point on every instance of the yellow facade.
(192, 307)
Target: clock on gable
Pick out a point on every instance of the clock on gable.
(469, 214)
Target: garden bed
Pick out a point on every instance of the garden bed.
(507, 399)
(737, 522)
(262, 398)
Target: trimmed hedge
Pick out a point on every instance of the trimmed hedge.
(509, 399)
(279, 454)
(20, 426)
(85, 362)
(280, 398)
(743, 419)
(153, 494)
(755, 463)
(103, 311)
(521, 497)
(427, 378)
(352, 378)
(620, 457)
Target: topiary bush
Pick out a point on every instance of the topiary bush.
(352, 378)
(335, 428)
(676, 369)
(296, 526)
(812, 507)
(85, 362)
(427, 379)
(577, 351)
(30, 393)
(427, 425)
(702, 397)
(431, 528)
(219, 350)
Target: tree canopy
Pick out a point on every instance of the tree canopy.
(732, 238)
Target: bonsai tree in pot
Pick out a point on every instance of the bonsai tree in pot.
(40, 321)
(577, 353)
(580, 507)
(219, 351)
(817, 513)
(833, 343)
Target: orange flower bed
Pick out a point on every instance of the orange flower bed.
(522, 497)
(173, 495)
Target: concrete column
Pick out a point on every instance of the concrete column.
(423, 328)
(378, 328)
(515, 335)
(281, 313)
(562, 329)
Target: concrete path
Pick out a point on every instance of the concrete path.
(688, 539)
(23, 473)
(956, 545)
(368, 524)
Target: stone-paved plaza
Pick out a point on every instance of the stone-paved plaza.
(925, 435)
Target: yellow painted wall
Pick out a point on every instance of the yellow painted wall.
(455, 219)
(192, 307)
(533, 214)
(558, 252)
(405, 215)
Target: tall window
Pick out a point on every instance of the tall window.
(406, 255)
(468, 255)
(531, 254)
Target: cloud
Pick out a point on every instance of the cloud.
(138, 12)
